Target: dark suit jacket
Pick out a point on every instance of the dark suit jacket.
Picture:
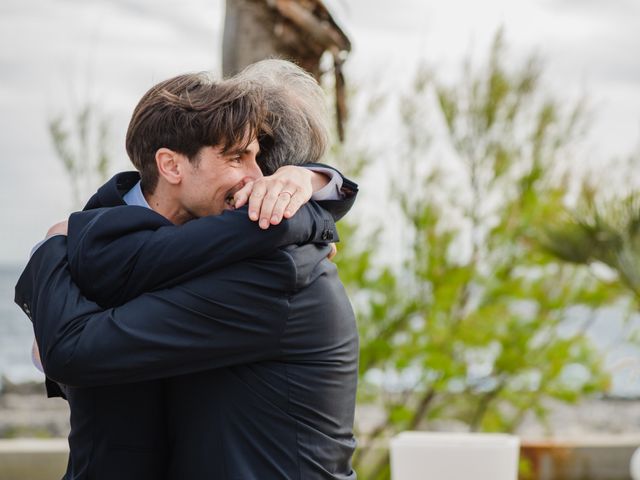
(122, 431)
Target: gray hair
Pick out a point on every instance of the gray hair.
(297, 129)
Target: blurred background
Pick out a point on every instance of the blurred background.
(493, 256)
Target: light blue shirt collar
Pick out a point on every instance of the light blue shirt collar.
(135, 197)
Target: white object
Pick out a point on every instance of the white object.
(634, 466)
(454, 456)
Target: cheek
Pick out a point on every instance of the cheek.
(230, 181)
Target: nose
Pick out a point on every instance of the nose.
(253, 170)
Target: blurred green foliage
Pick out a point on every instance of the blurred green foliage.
(25, 431)
(468, 328)
(81, 139)
(600, 231)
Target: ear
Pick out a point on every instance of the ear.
(170, 165)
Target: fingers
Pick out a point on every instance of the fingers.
(295, 202)
(59, 228)
(281, 206)
(241, 197)
(274, 204)
(255, 201)
(276, 197)
(333, 252)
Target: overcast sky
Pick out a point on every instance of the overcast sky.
(53, 50)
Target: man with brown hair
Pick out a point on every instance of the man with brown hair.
(212, 146)
(258, 353)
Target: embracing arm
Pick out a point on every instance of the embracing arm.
(232, 318)
(331, 190)
(347, 191)
(118, 253)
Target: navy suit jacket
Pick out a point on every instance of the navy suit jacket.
(251, 419)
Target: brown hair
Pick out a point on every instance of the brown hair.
(188, 112)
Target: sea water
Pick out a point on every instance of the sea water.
(16, 333)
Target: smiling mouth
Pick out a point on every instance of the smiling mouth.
(228, 200)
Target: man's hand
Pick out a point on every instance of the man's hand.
(35, 356)
(59, 228)
(333, 252)
(279, 195)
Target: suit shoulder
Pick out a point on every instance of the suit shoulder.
(114, 221)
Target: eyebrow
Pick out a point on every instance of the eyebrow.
(241, 151)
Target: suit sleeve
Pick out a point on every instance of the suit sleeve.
(232, 318)
(121, 252)
(349, 191)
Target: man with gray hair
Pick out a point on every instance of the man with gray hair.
(256, 355)
(296, 114)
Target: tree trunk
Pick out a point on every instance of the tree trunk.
(253, 31)
(258, 29)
